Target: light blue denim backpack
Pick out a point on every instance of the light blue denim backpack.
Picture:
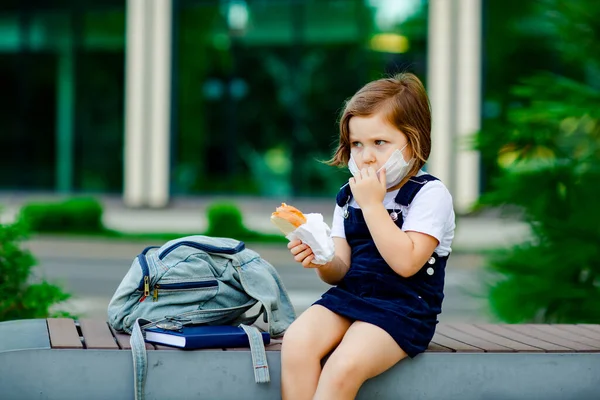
(200, 280)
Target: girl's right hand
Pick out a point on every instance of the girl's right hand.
(302, 253)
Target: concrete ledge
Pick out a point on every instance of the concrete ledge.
(108, 374)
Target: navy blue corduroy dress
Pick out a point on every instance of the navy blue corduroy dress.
(372, 292)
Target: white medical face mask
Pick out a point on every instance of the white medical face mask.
(396, 167)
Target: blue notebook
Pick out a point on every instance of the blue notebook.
(202, 337)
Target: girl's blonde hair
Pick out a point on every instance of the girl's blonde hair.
(405, 105)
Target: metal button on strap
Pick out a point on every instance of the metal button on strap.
(431, 260)
(430, 271)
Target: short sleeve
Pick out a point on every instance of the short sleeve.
(431, 211)
(337, 225)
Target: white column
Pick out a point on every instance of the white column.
(160, 107)
(439, 85)
(148, 103)
(136, 80)
(468, 97)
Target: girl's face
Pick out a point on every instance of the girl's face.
(373, 140)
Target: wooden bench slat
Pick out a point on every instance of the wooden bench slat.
(579, 330)
(495, 338)
(530, 330)
(510, 334)
(486, 345)
(455, 345)
(586, 343)
(63, 334)
(590, 327)
(122, 340)
(162, 347)
(438, 348)
(96, 334)
(588, 336)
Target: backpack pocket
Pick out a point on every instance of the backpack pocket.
(183, 276)
(173, 298)
(132, 289)
(168, 289)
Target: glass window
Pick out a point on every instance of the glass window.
(260, 85)
(61, 118)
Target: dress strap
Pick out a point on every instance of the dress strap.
(409, 190)
(344, 195)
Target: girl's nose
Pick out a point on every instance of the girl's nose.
(368, 156)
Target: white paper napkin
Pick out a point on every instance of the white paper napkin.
(315, 233)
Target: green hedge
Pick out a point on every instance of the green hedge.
(225, 220)
(82, 215)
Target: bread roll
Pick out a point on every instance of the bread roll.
(287, 218)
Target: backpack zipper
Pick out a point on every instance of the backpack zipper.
(146, 288)
(155, 293)
(146, 285)
(183, 286)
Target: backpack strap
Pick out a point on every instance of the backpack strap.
(259, 355)
(140, 362)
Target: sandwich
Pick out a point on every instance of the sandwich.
(287, 218)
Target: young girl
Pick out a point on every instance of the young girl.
(392, 228)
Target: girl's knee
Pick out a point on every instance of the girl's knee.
(343, 370)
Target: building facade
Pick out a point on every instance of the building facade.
(157, 98)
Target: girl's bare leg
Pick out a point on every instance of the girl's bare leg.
(310, 338)
(365, 351)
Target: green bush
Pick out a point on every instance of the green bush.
(225, 220)
(82, 215)
(550, 167)
(20, 298)
(546, 149)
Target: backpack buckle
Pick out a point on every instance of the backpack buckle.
(170, 325)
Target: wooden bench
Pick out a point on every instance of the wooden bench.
(66, 359)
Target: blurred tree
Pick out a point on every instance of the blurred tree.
(195, 52)
(546, 149)
(19, 297)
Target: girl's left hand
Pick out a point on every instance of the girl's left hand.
(367, 188)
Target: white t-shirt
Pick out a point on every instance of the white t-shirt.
(431, 212)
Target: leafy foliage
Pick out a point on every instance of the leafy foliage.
(20, 297)
(541, 149)
(550, 163)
